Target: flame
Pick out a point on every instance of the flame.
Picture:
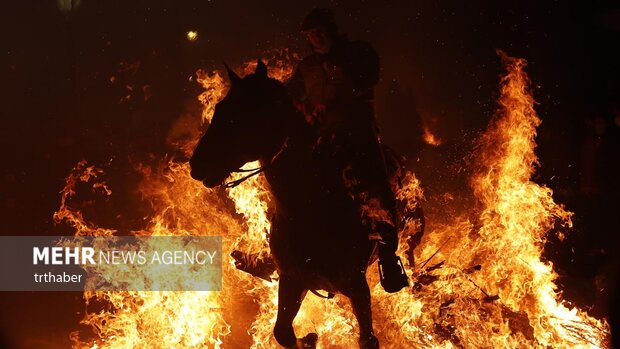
(430, 125)
(157, 319)
(430, 138)
(479, 277)
(482, 282)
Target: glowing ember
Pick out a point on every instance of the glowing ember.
(479, 277)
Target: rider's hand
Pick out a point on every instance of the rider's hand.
(318, 111)
(316, 114)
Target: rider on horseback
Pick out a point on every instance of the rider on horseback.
(334, 88)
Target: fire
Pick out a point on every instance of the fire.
(430, 125)
(156, 319)
(430, 138)
(479, 277)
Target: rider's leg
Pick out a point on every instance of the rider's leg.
(365, 175)
(393, 276)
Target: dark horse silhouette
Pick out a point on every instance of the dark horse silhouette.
(318, 239)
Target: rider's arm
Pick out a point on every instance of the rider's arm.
(296, 87)
(368, 167)
(368, 164)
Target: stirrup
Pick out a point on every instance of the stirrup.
(394, 281)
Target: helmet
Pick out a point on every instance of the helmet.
(320, 18)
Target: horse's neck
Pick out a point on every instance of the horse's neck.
(299, 132)
(299, 137)
(301, 180)
(294, 160)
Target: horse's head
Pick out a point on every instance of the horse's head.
(248, 124)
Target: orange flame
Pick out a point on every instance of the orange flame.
(478, 283)
(430, 138)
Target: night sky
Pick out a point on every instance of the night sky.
(106, 80)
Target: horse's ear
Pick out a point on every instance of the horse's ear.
(234, 78)
(261, 69)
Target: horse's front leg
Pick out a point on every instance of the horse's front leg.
(290, 296)
(359, 294)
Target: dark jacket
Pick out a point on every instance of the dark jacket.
(343, 81)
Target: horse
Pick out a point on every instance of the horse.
(318, 239)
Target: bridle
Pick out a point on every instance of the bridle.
(255, 171)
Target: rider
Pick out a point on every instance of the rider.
(334, 88)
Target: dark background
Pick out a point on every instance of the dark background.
(69, 67)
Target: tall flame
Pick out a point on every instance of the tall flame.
(480, 281)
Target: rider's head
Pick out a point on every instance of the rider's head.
(320, 29)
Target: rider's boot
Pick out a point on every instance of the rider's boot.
(391, 271)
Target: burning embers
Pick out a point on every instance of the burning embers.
(479, 282)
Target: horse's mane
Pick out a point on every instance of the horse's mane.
(272, 89)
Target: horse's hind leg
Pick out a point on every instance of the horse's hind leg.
(290, 295)
(359, 294)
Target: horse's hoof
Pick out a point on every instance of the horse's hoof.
(253, 264)
(369, 343)
(308, 342)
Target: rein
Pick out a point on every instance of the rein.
(254, 171)
(329, 294)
